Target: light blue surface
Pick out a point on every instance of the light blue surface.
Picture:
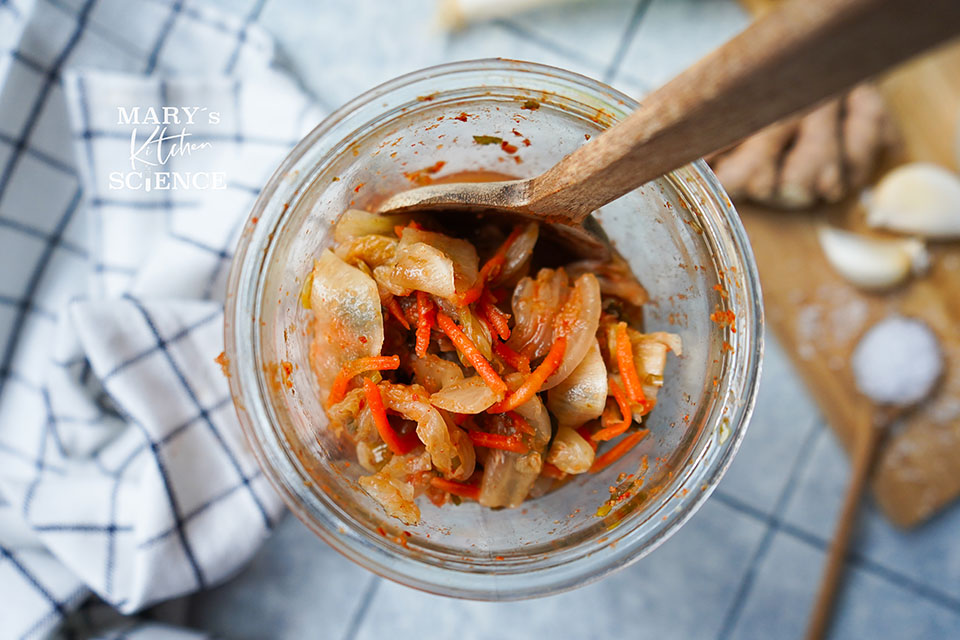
(747, 565)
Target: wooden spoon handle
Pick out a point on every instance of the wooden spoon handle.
(836, 556)
(788, 60)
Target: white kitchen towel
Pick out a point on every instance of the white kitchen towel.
(122, 468)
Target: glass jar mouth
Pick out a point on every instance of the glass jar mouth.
(724, 420)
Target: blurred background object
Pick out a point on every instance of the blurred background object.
(456, 14)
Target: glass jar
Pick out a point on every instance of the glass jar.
(680, 235)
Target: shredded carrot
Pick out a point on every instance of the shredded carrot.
(516, 360)
(471, 294)
(397, 312)
(614, 430)
(426, 318)
(465, 346)
(520, 423)
(361, 365)
(618, 450)
(550, 471)
(391, 438)
(491, 268)
(535, 380)
(498, 320)
(498, 441)
(471, 491)
(628, 371)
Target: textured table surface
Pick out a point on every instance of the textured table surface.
(747, 565)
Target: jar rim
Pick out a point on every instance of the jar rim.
(380, 556)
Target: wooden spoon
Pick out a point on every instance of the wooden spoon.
(889, 346)
(790, 59)
(870, 435)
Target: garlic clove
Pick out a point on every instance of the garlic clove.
(918, 198)
(872, 263)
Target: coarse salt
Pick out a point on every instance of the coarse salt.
(897, 361)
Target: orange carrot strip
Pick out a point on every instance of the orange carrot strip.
(465, 346)
(498, 441)
(520, 423)
(500, 257)
(471, 491)
(426, 318)
(618, 450)
(397, 312)
(498, 320)
(628, 371)
(550, 471)
(491, 268)
(535, 380)
(611, 432)
(516, 360)
(471, 294)
(397, 445)
(361, 365)
(614, 430)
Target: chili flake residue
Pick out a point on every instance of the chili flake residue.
(357, 188)
(487, 139)
(507, 147)
(422, 176)
(224, 363)
(462, 117)
(724, 318)
(272, 369)
(628, 486)
(286, 370)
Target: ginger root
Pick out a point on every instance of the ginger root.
(819, 157)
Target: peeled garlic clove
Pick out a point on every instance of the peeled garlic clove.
(872, 263)
(918, 198)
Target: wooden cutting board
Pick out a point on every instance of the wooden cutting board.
(819, 318)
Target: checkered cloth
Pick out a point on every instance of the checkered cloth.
(122, 468)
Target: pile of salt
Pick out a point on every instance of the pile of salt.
(897, 361)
